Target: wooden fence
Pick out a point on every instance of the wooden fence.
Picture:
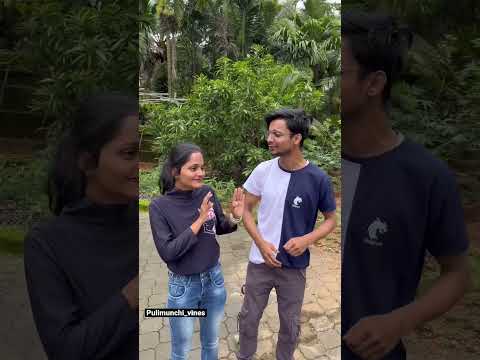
(148, 97)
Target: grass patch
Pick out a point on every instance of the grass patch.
(23, 185)
(143, 205)
(475, 270)
(11, 240)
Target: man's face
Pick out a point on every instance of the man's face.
(280, 139)
(353, 87)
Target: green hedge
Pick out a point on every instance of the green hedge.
(225, 116)
(11, 240)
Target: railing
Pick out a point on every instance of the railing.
(148, 97)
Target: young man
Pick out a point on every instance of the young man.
(290, 191)
(398, 203)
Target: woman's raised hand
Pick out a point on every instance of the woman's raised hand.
(204, 210)
(205, 207)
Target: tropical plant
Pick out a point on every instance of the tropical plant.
(170, 14)
(438, 106)
(74, 49)
(196, 33)
(149, 47)
(225, 115)
(309, 38)
(437, 103)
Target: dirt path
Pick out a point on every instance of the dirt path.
(455, 335)
(19, 339)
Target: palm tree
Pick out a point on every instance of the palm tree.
(151, 51)
(246, 9)
(170, 13)
(221, 32)
(309, 41)
(199, 32)
(252, 19)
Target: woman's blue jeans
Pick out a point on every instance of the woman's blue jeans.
(204, 291)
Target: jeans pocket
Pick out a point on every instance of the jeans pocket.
(177, 287)
(217, 278)
(176, 291)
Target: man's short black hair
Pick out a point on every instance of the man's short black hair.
(378, 43)
(298, 122)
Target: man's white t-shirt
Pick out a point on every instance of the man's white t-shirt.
(290, 201)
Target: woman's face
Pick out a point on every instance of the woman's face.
(115, 178)
(191, 174)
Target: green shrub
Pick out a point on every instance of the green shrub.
(23, 184)
(223, 189)
(225, 116)
(11, 240)
(438, 104)
(143, 205)
(475, 269)
(148, 186)
(74, 49)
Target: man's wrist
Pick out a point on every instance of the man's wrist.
(306, 241)
(406, 319)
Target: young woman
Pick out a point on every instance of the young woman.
(82, 265)
(185, 222)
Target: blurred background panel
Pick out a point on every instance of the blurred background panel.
(436, 103)
(52, 54)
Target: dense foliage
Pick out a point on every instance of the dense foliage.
(188, 37)
(22, 192)
(53, 53)
(437, 102)
(235, 61)
(225, 115)
(67, 50)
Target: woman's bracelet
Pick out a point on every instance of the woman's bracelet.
(235, 220)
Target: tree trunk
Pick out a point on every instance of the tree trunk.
(243, 34)
(316, 74)
(169, 67)
(223, 25)
(172, 66)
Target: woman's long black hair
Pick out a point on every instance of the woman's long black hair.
(96, 123)
(178, 156)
